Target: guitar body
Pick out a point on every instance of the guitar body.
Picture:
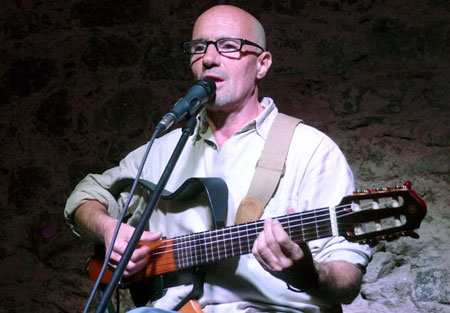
(162, 263)
(191, 307)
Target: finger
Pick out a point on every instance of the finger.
(289, 248)
(134, 267)
(256, 243)
(119, 249)
(257, 250)
(114, 258)
(138, 261)
(269, 248)
(150, 236)
(140, 253)
(275, 235)
(285, 250)
(290, 210)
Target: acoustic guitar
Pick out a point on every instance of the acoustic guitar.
(366, 217)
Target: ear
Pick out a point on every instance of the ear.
(263, 65)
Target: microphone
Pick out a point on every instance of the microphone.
(202, 91)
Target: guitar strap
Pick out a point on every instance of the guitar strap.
(269, 169)
(215, 189)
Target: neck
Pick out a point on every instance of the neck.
(225, 123)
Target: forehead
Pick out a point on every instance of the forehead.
(219, 25)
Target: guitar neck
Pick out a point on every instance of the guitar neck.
(213, 246)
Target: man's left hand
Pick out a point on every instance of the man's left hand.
(283, 258)
(274, 249)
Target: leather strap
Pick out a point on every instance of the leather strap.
(215, 188)
(269, 170)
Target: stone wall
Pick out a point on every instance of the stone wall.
(83, 82)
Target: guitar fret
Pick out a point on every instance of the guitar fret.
(213, 245)
(203, 248)
(185, 254)
(317, 230)
(247, 237)
(188, 250)
(222, 242)
(199, 247)
(216, 246)
(227, 241)
(334, 226)
(289, 227)
(209, 245)
(239, 241)
(195, 249)
(207, 238)
(253, 234)
(192, 251)
(181, 254)
(175, 253)
(302, 228)
(250, 230)
(230, 240)
(326, 227)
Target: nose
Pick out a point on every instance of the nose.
(211, 57)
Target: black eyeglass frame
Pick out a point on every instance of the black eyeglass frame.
(207, 43)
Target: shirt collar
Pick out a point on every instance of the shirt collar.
(264, 120)
(261, 123)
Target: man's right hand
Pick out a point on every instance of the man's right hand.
(92, 217)
(140, 257)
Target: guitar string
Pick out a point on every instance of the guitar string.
(186, 241)
(291, 218)
(320, 231)
(224, 247)
(190, 241)
(220, 250)
(238, 227)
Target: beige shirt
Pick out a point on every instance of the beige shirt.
(317, 175)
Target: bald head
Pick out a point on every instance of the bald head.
(221, 19)
(235, 73)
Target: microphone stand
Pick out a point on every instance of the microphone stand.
(187, 131)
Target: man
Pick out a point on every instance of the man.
(279, 275)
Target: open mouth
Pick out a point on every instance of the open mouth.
(217, 79)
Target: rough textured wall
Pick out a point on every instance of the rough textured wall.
(83, 82)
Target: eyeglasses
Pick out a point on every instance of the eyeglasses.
(223, 45)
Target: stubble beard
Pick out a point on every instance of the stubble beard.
(224, 98)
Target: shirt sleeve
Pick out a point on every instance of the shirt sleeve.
(99, 187)
(327, 180)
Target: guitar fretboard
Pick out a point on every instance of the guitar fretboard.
(212, 246)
